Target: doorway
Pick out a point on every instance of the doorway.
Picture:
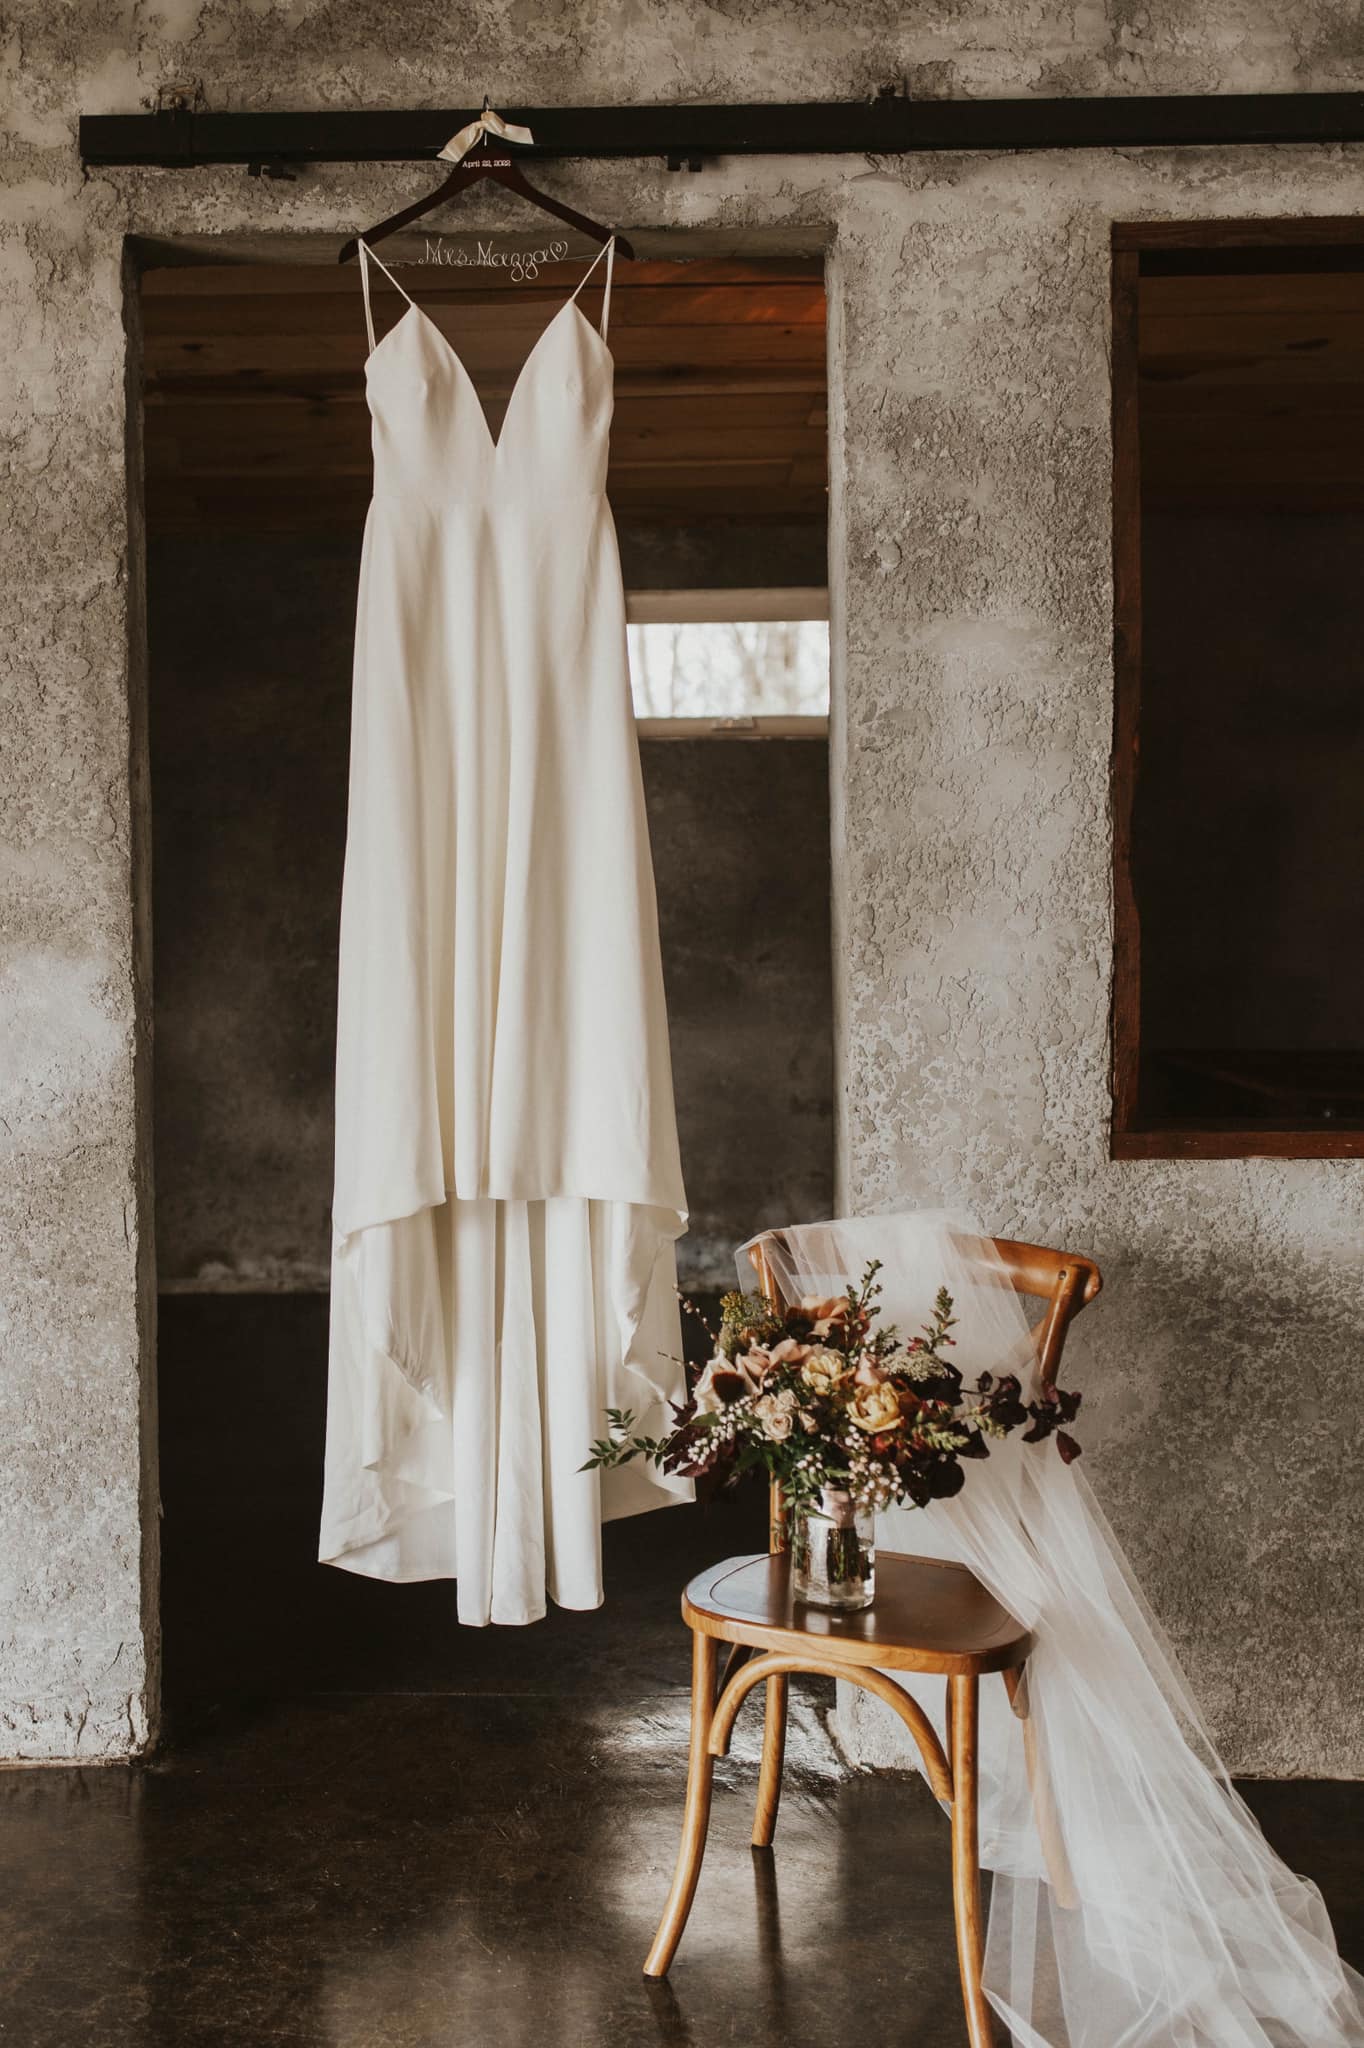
(257, 481)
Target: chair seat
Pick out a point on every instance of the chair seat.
(928, 1615)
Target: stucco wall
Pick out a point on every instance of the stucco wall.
(1222, 1362)
(970, 564)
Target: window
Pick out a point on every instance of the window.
(1238, 1012)
(730, 662)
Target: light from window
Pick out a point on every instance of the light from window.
(741, 668)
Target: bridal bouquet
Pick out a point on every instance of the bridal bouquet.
(824, 1399)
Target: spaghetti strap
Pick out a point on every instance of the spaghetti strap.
(608, 250)
(367, 256)
(606, 295)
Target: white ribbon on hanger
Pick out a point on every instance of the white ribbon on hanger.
(488, 123)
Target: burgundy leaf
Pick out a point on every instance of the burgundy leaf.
(944, 1479)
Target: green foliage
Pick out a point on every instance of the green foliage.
(746, 1319)
(820, 1395)
(620, 1447)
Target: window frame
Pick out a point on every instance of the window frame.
(726, 607)
(1128, 1138)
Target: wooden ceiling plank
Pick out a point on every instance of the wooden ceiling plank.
(324, 280)
(177, 320)
(663, 351)
(184, 455)
(346, 387)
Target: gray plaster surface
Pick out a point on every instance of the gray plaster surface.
(969, 564)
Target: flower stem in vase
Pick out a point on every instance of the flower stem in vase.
(833, 1553)
(845, 1556)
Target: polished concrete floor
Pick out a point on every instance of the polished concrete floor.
(368, 1828)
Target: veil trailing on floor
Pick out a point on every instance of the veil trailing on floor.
(1135, 1903)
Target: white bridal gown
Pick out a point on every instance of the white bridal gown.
(508, 1190)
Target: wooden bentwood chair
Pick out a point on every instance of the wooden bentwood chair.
(927, 1616)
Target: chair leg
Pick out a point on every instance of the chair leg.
(774, 1753)
(963, 1698)
(696, 1817)
(738, 1656)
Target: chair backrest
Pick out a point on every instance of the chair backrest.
(1066, 1281)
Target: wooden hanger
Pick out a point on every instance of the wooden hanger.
(481, 162)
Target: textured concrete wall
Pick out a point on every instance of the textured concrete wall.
(970, 453)
(1222, 1363)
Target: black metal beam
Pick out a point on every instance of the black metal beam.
(886, 126)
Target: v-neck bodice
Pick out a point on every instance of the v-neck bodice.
(432, 440)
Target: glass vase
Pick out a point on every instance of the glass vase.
(833, 1551)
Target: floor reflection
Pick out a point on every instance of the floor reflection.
(374, 1830)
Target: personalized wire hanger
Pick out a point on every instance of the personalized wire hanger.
(475, 158)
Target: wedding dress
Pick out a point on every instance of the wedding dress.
(1150, 1912)
(508, 1189)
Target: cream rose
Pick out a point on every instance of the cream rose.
(874, 1408)
(777, 1413)
(825, 1370)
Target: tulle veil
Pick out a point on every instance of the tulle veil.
(1135, 1902)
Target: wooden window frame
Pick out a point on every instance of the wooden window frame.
(1128, 1139)
(723, 606)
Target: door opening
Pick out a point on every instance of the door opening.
(257, 481)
